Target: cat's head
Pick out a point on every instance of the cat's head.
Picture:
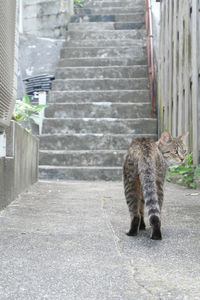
(174, 150)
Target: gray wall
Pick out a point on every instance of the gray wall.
(46, 18)
(43, 25)
(36, 56)
(19, 168)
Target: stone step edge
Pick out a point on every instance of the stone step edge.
(121, 14)
(82, 151)
(107, 93)
(47, 167)
(114, 40)
(101, 119)
(101, 91)
(115, 58)
(91, 9)
(107, 23)
(103, 67)
(136, 135)
(100, 103)
(100, 79)
(107, 47)
(108, 31)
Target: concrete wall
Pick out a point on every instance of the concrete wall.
(19, 168)
(43, 25)
(46, 18)
(36, 56)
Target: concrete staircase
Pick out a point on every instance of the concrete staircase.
(100, 99)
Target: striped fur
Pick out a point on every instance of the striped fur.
(144, 171)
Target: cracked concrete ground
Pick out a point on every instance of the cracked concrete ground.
(66, 240)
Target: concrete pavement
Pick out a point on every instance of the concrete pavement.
(66, 240)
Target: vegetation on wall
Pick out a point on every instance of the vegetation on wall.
(78, 4)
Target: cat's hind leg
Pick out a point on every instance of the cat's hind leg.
(155, 221)
(132, 194)
(142, 223)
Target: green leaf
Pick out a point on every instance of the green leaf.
(168, 178)
(26, 99)
(192, 185)
(197, 172)
(35, 118)
(39, 107)
(179, 180)
(189, 159)
(183, 172)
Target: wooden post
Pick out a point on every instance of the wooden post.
(174, 111)
(170, 74)
(195, 74)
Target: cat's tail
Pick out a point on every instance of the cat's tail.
(147, 175)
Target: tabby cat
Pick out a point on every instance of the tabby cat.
(144, 171)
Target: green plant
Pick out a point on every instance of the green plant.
(78, 3)
(187, 172)
(25, 111)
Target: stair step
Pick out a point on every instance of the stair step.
(89, 141)
(100, 125)
(106, 34)
(105, 26)
(103, 52)
(100, 84)
(80, 173)
(114, 1)
(122, 4)
(100, 99)
(95, 62)
(102, 72)
(105, 43)
(110, 10)
(135, 17)
(98, 110)
(100, 158)
(123, 96)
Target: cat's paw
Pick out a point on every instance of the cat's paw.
(131, 233)
(156, 235)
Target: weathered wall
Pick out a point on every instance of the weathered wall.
(19, 168)
(43, 25)
(46, 18)
(36, 56)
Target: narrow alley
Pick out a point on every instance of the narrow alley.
(66, 240)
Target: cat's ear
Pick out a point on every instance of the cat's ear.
(165, 138)
(183, 137)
